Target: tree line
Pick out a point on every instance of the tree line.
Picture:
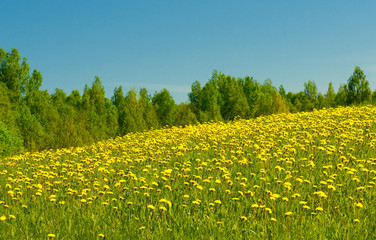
(34, 120)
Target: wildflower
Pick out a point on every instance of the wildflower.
(268, 210)
(243, 218)
(288, 213)
(359, 205)
(319, 209)
(151, 207)
(3, 218)
(51, 235)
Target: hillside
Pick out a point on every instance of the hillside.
(302, 176)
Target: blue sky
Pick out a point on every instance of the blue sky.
(170, 44)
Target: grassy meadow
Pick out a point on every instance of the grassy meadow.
(287, 176)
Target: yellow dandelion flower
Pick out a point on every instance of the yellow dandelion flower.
(358, 205)
(151, 207)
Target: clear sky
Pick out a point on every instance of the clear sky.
(170, 44)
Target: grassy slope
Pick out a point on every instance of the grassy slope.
(300, 176)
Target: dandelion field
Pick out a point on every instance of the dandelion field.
(286, 176)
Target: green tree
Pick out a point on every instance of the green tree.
(118, 100)
(357, 88)
(134, 118)
(265, 99)
(13, 73)
(341, 96)
(233, 100)
(310, 93)
(183, 115)
(282, 91)
(210, 109)
(164, 105)
(279, 104)
(74, 99)
(330, 96)
(31, 130)
(195, 98)
(65, 132)
(100, 113)
(149, 113)
(251, 90)
(8, 114)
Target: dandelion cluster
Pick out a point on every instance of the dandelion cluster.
(298, 175)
